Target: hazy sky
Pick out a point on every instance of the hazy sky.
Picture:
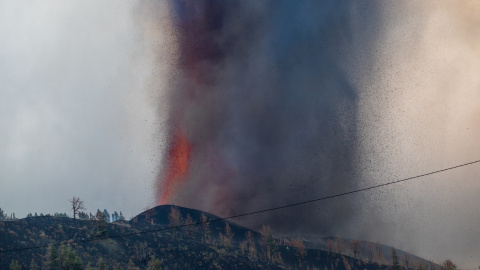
(75, 115)
(419, 112)
(81, 114)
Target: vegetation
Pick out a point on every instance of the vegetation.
(94, 243)
(395, 263)
(448, 265)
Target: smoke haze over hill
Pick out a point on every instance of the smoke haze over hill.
(281, 102)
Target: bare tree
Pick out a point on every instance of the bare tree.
(189, 225)
(378, 253)
(267, 242)
(252, 250)
(370, 251)
(406, 260)
(77, 205)
(249, 237)
(205, 228)
(301, 252)
(340, 245)
(330, 246)
(149, 213)
(355, 247)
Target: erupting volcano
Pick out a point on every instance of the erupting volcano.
(262, 111)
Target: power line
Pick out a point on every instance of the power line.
(249, 213)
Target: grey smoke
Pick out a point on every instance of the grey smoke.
(273, 117)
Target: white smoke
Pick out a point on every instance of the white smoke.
(419, 112)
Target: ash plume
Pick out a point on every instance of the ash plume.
(262, 109)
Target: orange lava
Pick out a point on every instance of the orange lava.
(178, 163)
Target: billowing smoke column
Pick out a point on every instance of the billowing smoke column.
(262, 112)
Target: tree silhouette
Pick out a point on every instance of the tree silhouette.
(395, 263)
(77, 205)
(189, 228)
(355, 247)
(34, 265)
(107, 215)
(70, 259)
(15, 265)
(149, 213)
(205, 228)
(370, 251)
(406, 260)
(175, 217)
(228, 235)
(378, 253)
(154, 264)
(448, 265)
(53, 262)
(267, 243)
(300, 251)
(340, 245)
(330, 246)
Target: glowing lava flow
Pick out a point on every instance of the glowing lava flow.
(177, 168)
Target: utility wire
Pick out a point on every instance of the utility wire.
(249, 213)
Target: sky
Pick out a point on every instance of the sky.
(82, 113)
(76, 118)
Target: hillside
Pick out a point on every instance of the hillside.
(79, 244)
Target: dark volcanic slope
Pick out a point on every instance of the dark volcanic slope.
(122, 243)
(159, 216)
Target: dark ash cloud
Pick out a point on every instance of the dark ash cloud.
(262, 92)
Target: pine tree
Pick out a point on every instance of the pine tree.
(70, 259)
(131, 265)
(228, 235)
(82, 215)
(107, 215)
(189, 228)
(2, 214)
(34, 265)
(267, 242)
(101, 224)
(101, 264)
(115, 216)
(122, 218)
(53, 261)
(154, 264)
(395, 263)
(15, 265)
